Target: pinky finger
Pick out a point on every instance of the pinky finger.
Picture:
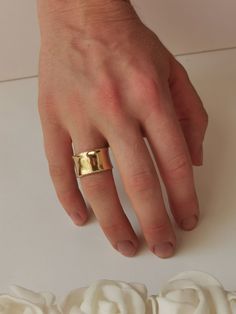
(190, 111)
(58, 148)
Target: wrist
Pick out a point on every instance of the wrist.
(66, 20)
(83, 12)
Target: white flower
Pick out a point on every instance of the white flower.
(23, 301)
(232, 301)
(187, 293)
(107, 297)
(194, 293)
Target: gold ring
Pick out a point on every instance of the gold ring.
(91, 162)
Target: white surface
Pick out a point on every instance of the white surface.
(184, 26)
(42, 250)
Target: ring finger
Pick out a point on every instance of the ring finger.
(100, 191)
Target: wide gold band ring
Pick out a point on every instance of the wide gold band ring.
(91, 162)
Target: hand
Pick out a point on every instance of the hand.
(106, 79)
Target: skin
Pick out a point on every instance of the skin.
(106, 79)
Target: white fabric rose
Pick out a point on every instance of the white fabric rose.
(23, 301)
(107, 297)
(232, 301)
(195, 293)
(187, 293)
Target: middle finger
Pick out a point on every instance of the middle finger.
(143, 188)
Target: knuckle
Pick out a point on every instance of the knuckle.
(48, 114)
(111, 228)
(158, 228)
(57, 171)
(151, 88)
(182, 72)
(108, 97)
(110, 108)
(201, 120)
(50, 120)
(150, 91)
(95, 186)
(178, 167)
(68, 197)
(46, 101)
(204, 118)
(148, 86)
(141, 181)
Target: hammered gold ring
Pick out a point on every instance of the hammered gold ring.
(93, 161)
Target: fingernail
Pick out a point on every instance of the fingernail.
(189, 223)
(164, 250)
(78, 219)
(126, 248)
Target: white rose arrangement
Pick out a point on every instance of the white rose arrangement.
(187, 293)
(23, 301)
(107, 297)
(195, 293)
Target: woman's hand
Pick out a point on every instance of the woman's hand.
(106, 79)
